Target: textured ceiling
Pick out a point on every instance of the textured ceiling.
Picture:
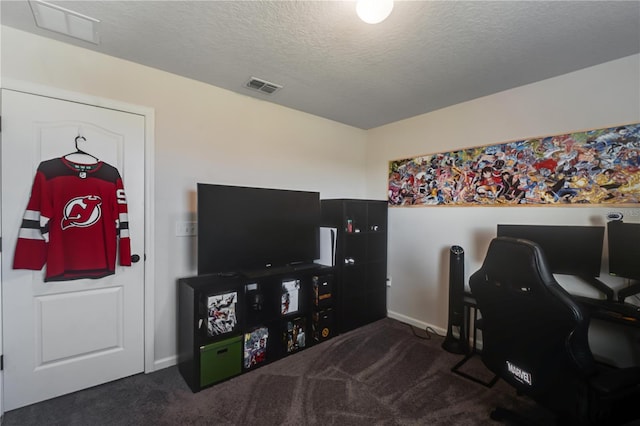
(427, 55)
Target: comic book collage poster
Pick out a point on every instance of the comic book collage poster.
(591, 167)
(222, 313)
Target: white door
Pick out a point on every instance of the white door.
(1, 352)
(64, 336)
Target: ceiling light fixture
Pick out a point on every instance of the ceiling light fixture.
(374, 11)
(65, 21)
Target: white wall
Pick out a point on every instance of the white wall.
(420, 237)
(202, 134)
(206, 134)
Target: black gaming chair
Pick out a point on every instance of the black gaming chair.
(535, 338)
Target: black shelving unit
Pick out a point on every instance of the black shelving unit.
(361, 259)
(231, 325)
(204, 357)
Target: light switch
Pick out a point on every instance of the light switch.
(186, 229)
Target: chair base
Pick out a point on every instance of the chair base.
(509, 417)
(456, 370)
(455, 346)
(503, 415)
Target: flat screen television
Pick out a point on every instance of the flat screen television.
(244, 228)
(624, 249)
(570, 250)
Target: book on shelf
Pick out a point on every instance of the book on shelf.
(221, 313)
(255, 347)
(295, 335)
(290, 298)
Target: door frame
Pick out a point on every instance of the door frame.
(149, 143)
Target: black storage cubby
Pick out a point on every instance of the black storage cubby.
(234, 323)
(322, 292)
(323, 324)
(322, 318)
(230, 325)
(196, 343)
(361, 259)
(294, 333)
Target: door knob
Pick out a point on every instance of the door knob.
(135, 258)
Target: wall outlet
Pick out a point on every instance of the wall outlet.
(389, 281)
(186, 229)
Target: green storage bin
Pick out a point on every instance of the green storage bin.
(220, 360)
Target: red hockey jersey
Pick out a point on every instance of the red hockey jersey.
(75, 216)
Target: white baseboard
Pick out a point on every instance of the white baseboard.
(432, 328)
(169, 361)
(416, 323)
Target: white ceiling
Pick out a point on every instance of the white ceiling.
(427, 55)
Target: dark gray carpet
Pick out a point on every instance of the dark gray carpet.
(380, 374)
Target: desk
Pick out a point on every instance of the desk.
(610, 310)
(633, 289)
(616, 312)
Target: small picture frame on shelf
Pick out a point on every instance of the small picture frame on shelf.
(255, 347)
(222, 313)
(295, 334)
(290, 297)
(322, 296)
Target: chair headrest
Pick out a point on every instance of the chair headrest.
(520, 259)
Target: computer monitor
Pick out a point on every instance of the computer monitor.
(624, 249)
(570, 250)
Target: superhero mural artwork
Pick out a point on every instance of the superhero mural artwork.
(593, 167)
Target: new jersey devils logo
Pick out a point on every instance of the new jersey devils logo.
(82, 212)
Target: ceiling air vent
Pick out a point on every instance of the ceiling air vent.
(65, 21)
(262, 86)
